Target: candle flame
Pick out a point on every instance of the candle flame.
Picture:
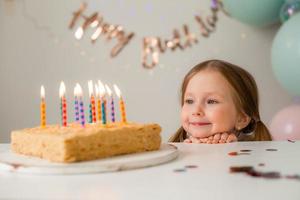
(108, 90)
(76, 90)
(79, 90)
(96, 90)
(117, 90)
(62, 89)
(91, 90)
(101, 89)
(42, 92)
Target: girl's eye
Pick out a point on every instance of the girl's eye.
(212, 101)
(189, 101)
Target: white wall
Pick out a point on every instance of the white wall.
(36, 47)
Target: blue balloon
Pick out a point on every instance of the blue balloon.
(254, 12)
(286, 55)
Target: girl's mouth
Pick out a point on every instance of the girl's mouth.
(200, 123)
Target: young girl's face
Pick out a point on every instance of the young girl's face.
(208, 106)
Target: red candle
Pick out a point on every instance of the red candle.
(43, 107)
(63, 103)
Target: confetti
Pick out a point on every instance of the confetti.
(245, 150)
(179, 170)
(271, 149)
(191, 166)
(261, 164)
(234, 153)
(292, 141)
(296, 177)
(249, 170)
(238, 169)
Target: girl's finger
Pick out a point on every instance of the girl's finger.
(187, 141)
(215, 141)
(224, 136)
(222, 141)
(231, 138)
(203, 140)
(217, 136)
(195, 140)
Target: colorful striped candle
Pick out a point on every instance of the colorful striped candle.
(103, 111)
(112, 106)
(103, 101)
(43, 107)
(99, 116)
(122, 104)
(92, 105)
(81, 106)
(63, 103)
(76, 103)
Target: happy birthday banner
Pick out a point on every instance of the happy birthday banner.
(152, 46)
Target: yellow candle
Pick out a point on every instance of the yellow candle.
(122, 104)
(43, 107)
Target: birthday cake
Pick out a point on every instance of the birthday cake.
(74, 143)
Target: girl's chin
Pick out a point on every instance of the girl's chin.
(200, 134)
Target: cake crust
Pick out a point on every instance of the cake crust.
(74, 143)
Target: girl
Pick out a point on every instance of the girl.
(219, 105)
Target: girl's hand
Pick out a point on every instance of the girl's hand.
(219, 138)
(222, 138)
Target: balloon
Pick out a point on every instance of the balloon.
(254, 12)
(286, 124)
(285, 55)
(289, 9)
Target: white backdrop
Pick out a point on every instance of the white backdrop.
(36, 47)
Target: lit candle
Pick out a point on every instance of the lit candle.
(81, 106)
(112, 106)
(98, 104)
(122, 104)
(103, 100)
(43, 107)
(76, 103)
(63, 103)
(92, 103)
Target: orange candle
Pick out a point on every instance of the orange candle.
(43, 107)
(122, 104)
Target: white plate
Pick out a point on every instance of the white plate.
(12, 162)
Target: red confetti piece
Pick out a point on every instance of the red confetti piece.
(191, 166)
(233, 153)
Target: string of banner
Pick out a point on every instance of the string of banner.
(152, 46)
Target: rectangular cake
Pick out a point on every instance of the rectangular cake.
(74, 143)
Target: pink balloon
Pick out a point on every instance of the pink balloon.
(286, 124)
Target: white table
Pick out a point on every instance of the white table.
(210, 180)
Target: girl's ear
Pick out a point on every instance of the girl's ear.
(242, 121)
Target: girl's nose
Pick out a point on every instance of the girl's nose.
(198, 112)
